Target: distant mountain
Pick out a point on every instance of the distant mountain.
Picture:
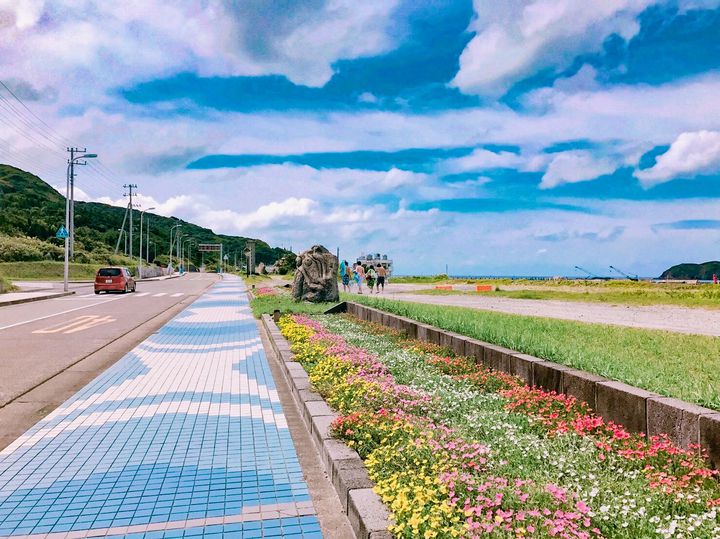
(29, 207)
(702, 271)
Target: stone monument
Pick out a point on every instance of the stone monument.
(316, 276)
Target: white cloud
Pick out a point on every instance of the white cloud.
(573, 167)
(482, 159)
(517, 38)
(689, 155)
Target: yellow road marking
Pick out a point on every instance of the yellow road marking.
(80, 323)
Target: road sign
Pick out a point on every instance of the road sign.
(225, 258)
(62, 233)
(209, 247)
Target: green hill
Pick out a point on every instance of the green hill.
(31, 212)
(702, 271)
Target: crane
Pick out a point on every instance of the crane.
(635, 278)
(590, 275)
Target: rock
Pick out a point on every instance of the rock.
(316, 276)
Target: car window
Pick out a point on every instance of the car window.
(108, 272)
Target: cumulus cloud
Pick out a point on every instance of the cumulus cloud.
(573, 167)
(689, 155)
(517, 38)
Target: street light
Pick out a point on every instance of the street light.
(190, 242)
(141, 221)
(183, 243)
(171, 242)
(70, 211)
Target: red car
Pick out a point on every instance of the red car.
(115, 279)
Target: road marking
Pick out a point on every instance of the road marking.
(177, 295)
(58, 314)
(160, 294)
(80, 323)
(141, 294)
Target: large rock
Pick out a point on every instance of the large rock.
(316, 276)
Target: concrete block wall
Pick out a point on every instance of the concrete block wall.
(636, 409)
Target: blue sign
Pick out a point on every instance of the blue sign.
(62, 233)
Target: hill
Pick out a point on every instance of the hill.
(702, 271)
(31, 212)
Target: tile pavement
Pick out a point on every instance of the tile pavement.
(183, 437)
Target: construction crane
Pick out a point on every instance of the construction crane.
(635, 278)
(590, 275)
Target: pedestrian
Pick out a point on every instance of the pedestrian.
(371, 277)
(344, 276)
(349, 276)
(359, 276)
(381, 273)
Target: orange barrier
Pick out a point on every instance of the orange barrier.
(483, 288)
(443, 287)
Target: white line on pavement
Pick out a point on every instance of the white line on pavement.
(141, 294)
(177, 295)
(160, 294)
(58, 314)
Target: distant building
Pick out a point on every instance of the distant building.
(375, 259)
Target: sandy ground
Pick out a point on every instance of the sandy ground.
(663, 317)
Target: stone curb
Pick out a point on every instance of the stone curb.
(367, 514)
(36, 298)
(635, 409)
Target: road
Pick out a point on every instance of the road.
(42, 342)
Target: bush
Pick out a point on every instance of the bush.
(23, 248)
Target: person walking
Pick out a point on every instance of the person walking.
(381, 274)
(371, 277)
(360, 276)
(345, 276)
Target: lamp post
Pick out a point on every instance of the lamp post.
(191, 241)
(141, 238)
(171, 242)
(182, 245)
(69, 210)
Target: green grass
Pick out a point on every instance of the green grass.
(48, 271)
(706, 296)
(5, 285)
(683, 366)
(267, 304)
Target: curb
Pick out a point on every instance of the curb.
(368, 515)
(634, 408)
(36, 298)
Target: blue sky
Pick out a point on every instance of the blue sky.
(522, 137)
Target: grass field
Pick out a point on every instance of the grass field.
(5, 285)
(267, 304)
(676, 365)
(706, 296)
(47, 271)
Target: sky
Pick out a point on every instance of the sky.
(523, 137)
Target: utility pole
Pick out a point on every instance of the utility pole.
(71, 177)
(117, 245)
(130, 187)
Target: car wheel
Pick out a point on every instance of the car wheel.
(97, 291)
(134, 288)
(125, 290)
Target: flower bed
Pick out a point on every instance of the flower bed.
(457, 450)
(265, 291)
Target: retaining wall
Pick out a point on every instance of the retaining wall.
(636, 409)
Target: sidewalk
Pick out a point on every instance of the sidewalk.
(15, 298)
(183, 437)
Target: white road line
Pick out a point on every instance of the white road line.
(141, 294)
(58, 314)
(177, 295)
(160, 294)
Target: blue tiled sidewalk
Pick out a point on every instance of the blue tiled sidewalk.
(183, 437)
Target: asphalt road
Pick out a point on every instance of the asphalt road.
(40, 340)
